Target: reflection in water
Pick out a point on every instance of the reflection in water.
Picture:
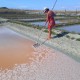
(14, 49)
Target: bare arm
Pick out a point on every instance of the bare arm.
(47, 18)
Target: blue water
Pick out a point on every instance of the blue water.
(38, 23)
(73, 28)
(43, 23)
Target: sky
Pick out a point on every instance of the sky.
(40, 4)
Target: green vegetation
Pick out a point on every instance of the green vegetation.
(26, 24)
(17, 14)
(79, 33)
(68, 36)
(46, 30)
(54, 33)
(72, 38)
(22, 23)
(78, 39)
(67, 24)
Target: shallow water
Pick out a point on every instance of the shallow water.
(14, 49)
(43, 23)
(73, 28)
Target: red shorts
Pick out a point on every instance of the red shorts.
(51, 24)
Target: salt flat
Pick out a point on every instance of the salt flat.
(63, 44)
(53, 66)
(50, 64)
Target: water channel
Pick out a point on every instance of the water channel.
(71, 28)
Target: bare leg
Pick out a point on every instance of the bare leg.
(49, 33)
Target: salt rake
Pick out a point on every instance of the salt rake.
(37, 44)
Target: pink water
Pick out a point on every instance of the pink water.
(14, 49)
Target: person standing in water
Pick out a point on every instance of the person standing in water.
(50, 20)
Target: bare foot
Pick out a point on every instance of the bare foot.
(49, 38)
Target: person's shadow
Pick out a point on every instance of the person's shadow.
(61, 35)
